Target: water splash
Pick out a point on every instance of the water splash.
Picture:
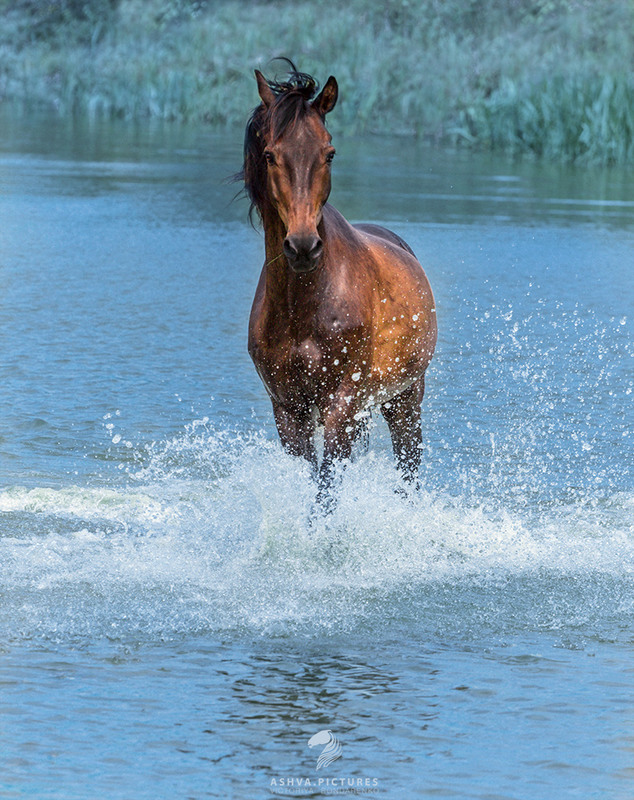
(212, 532)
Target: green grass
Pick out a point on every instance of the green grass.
(554, 78)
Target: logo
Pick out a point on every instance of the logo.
(331, 751)
(332, 783)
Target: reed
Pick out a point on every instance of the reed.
(583, 118)
(553, 78)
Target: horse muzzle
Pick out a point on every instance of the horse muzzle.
(303, 253)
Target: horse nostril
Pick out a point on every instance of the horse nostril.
(316, 250)
(290, 251)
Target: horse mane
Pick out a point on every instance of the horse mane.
(292, 102)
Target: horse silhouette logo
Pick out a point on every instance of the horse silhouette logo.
(331, 751)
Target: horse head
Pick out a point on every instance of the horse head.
(295, 154)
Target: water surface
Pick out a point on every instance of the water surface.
(171, 624)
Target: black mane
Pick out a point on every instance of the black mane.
(292, 101)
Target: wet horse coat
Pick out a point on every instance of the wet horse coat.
(343, 317)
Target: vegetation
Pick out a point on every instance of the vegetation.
(550, 77)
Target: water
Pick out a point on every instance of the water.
(171, 625)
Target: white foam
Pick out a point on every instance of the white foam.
(216, 532)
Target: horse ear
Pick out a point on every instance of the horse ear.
(327, 98)
(266, 93)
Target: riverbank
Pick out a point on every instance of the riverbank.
(550, 78)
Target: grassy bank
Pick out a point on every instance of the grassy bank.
(549, 77)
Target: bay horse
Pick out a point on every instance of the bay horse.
(343, 318)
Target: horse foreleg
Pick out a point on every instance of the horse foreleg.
(296, 428)
(402, 415)
(340, 430)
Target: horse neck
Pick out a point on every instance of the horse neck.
(282, 284)
(274, 235)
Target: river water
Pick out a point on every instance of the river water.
(171, 625)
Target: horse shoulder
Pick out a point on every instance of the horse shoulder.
(341, 306)
(399, 276)
(404, 321)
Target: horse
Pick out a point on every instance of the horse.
(343, 318)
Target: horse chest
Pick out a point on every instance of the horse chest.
(305, 341)
(303, 367)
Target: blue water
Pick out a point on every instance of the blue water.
(171, 626)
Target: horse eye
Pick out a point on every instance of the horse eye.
(270, 158)
(329, 157)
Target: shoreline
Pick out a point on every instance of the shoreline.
(555, 81)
